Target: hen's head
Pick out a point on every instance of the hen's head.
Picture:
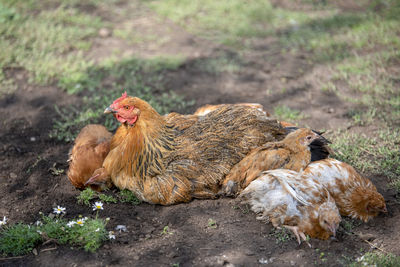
(100, 180)
(127, 109)
(304, 137)
(329, 216)
(366, 203)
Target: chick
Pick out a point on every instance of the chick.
(285, 199)
(294, 152)
(355, 195)
(88, 153)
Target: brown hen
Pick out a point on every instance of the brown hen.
(88, 153)
(163, 162)
(204, 110)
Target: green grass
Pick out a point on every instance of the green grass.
(288, 114)
(377, 259)
(282, 235)
(212, 223)
(226, 62)
(48, 43)
(226, 21)
(127, 196)
(20, 239)
(140, 78)
(86, 196)
(124, 196)
(379, 155)
(339, 35)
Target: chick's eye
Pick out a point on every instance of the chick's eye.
(325, 222)
(309, 137)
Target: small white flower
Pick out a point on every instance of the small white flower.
(71, 223)
(4, 221)
(40, 232)
(38, 223)
(98, 206)
(80, 222)
(98, 229)
(111, 235)
(59, 210)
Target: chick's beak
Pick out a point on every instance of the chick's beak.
(92, 180)
(109, 110)
(332, 228)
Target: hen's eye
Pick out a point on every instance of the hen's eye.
(126, 107)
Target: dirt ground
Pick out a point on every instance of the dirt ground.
(27, 152)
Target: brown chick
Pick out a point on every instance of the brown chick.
(354, 194)
(163, 162)
(295, 152)
(90, 148)
(285, 199)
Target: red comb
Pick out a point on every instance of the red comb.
(115, 103)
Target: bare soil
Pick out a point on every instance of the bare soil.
(267, 76)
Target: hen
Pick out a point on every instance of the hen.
(88, 153)
(354, 194)
(204, 110)
(284, 198)
(295, 152)
(164, 162)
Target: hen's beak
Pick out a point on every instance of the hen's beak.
(109, 110)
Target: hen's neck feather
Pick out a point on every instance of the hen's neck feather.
(140, 149)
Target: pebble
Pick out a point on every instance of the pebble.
(34, 251)
(104, 32)
(367, 236)
(33, 139)
(13, 175)
(121, 228)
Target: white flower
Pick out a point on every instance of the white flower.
(98, 229)
(98, 206)
(4, 221)
(71, 223)
(59, 210)
(111, 235)
(80, 222)
(40, 232)
(38, 223)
